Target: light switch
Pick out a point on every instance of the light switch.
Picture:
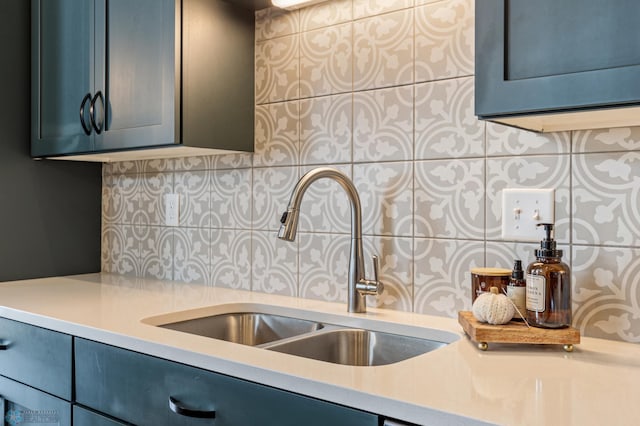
(523, 209)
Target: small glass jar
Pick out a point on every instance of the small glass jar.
(482, 279)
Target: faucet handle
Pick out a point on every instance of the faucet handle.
(371, 287)
(376, 268)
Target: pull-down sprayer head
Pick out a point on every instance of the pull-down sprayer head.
(289, 225)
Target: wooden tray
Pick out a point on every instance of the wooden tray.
(516, 332)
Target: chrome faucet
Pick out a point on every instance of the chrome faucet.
(359, 286)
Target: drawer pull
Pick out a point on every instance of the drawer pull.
(176, 407)
(4, 344)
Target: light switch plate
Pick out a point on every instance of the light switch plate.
(172, 209)
(523, 209)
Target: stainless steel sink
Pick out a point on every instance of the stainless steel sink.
(246, 328)
(313, 335)
(357, 347)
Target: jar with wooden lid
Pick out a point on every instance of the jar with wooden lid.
(482, 279)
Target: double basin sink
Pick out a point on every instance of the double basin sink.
(314, 339)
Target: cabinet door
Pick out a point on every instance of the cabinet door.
(550, 55)
(85, 417)
(62, 76)
(23, 405)
(38, 357)
(136, 72)
(145, 390)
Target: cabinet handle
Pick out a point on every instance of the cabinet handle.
(4, 344)
(87, 129)
(92, 112)
(178, 408)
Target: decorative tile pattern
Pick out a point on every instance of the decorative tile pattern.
(271, 191)
(274, 264)
(232, 161)
(365, 8)
(208, 162)
(156, 166)
(606, 140)
(383, 125)
(445, 40)
(120, 199)
(502, 254)
(605, 292)
(325, 14)
(386, 195)
(529, 172)
(324, 266)
(191, 253)
(442, 283)
(156, 252)
(121, 168)
(231, 258)
(396, 271)
(277, 69)
(193, 189)
(120, 250)
(450, 198)
(152, 189)
(382, 90)
(193, 163)
(231, 198)
(606, 194)
(325, 129)
(505, 140)
(326, 61)
(277, 138)
(275, 22)
(383, 50)
(446, 126)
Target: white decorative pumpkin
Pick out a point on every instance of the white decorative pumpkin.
(493, 307)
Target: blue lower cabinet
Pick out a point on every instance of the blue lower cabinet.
(86, 417)
(25, 406)
(145, 390)
(36, 356)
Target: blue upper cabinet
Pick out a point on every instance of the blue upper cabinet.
(103, 75)
(62, 76)
(110, 77)
(135, 56)
(551, 65)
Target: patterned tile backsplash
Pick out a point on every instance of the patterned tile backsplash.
(382, 90)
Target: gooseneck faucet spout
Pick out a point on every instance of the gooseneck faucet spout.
(358, 285)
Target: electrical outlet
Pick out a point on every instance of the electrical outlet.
(172, 209)
(523, 209)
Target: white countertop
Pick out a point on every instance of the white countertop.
(597, 384)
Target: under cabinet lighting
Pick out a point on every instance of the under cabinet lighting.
(294, 4)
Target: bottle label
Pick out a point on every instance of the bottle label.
(536, 285)
(518, 296)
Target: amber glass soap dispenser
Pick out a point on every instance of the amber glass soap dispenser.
(548, 286)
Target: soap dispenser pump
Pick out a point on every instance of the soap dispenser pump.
(548, 286)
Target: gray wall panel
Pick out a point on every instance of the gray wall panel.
(49, 210)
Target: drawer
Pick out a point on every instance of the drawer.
(22, 404)
(85, 417)
(37, 357)
(140, 389)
